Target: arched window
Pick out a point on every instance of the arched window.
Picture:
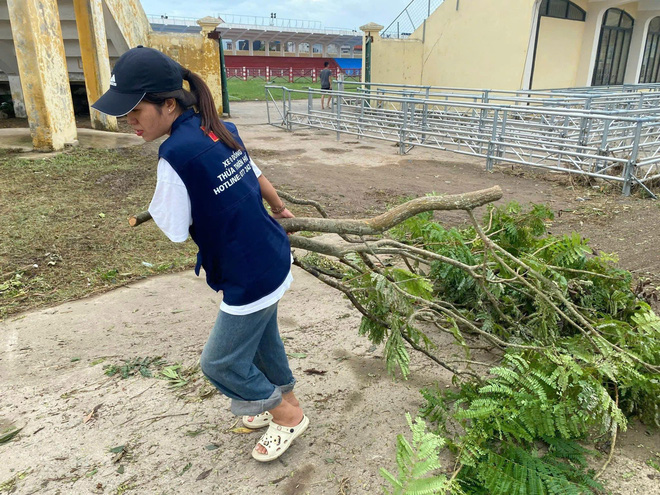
(651, 63)
(613, 48)
(562, 9)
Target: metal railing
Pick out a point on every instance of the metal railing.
(598, 135)
(411, 17)
(255, 20)
(251, 21)
(335, 31)
(613, 98)
(172, 20)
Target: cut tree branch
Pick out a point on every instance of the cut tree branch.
(395, 216)
(381, 223)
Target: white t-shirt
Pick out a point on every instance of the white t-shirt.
(170, 208)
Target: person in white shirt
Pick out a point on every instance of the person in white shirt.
(209, 188)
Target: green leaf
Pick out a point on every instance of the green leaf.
(9, 436)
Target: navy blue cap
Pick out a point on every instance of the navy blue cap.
(139, 71)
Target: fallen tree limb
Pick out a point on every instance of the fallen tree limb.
(393, 217)
(381, 223)
(136, 220)
(563, 321)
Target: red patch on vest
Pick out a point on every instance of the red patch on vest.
(211, 134)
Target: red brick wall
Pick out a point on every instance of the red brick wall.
(279, 62)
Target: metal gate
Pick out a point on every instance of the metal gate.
(611, 133)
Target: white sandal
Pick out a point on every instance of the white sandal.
(258, 421)
(277, 440)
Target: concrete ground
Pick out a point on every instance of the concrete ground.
(19, 139)
(86, 433)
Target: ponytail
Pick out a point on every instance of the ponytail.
(201, 97)
(211, 122)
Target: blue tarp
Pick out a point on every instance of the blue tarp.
(349, 63)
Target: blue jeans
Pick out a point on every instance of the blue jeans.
(245, 359)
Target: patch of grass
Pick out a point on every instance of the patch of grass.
(132, 367)
(55, 245)
(9, 486)
(655, 464)
(253, 89)
(126, 486)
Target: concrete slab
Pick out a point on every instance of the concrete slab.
(19, 139)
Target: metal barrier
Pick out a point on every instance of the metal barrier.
(255, 20)
(606, 98)
(613, 136)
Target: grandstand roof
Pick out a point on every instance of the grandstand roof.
(285, 34)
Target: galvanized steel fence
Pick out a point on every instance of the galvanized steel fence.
(613, 135)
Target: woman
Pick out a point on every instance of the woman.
(209, 187)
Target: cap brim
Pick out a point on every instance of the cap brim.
(117, 104)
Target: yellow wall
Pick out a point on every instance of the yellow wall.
(557, 53)
(195, 52)
(483, 44)
(631, 8)
(396, 61)
(583, 4)
(131, 20)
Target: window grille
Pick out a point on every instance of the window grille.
(613, 48)
(562, 9)
(651, 62)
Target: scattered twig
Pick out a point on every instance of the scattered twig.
(232, 426)
(138, 395)
(158, 418)
(343, 484)
(613, 440)
(92, 414)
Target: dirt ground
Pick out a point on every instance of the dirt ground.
(180, 441)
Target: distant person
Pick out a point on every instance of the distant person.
(326, 84)
(209, 188)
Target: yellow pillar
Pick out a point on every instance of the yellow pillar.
(95, 59)
(211, 50)
(37, 35)
(16, 91)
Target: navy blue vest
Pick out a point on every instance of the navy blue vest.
(244, 251)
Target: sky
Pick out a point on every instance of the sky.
(348, 14)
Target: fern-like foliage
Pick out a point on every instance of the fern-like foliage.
(418, 465)
(516, 230)
(522, 428)
(579, 351)
(386, 296)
